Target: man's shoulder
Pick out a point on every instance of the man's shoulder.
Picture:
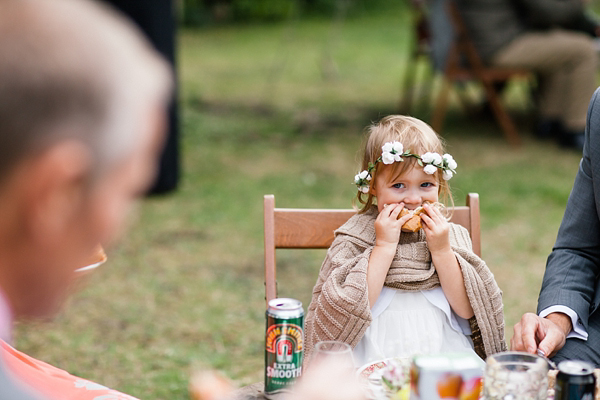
(13, 389)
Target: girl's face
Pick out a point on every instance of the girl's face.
(412, 188)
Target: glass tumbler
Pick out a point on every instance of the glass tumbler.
(334, 351)
(515, 375)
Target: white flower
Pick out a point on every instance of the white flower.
(392, 147)
(388, 158)
(361, 180)
(428, 157)
(447, 175)
(431, 158)
(395, 375)
(364, 189)
(450, 161)
(397, 147)
(430, 169)
(391, 374)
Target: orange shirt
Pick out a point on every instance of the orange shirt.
(54, 383)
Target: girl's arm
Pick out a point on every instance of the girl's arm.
(451, 278)
(387, 235)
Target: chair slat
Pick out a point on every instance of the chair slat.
(307, 228)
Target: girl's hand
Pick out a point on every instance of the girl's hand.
(387, 225)
(436, 229)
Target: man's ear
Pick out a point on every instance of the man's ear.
(55, 188)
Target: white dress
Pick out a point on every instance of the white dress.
(406, 323)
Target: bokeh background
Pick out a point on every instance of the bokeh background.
(274, 98)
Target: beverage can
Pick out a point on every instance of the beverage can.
(284, 345)
(575, 381)
(442, 376)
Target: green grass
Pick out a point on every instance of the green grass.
(279, 109)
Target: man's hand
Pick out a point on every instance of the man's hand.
(547, 335)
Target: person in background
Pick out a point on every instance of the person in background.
(156, 18)
(581, 21)
(83, 100)
(567, 323)
(507, 33)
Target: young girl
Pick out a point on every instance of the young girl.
(388, 293)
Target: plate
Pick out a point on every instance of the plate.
(371, 376)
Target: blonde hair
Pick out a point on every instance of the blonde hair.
(416, 136)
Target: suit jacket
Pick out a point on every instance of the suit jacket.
(573, 267)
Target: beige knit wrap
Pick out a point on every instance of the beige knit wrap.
(339, 309)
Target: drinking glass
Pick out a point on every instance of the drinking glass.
(334, 351)
(515, 375)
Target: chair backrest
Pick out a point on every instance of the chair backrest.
(305, 228)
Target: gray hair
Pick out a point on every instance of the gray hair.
(74, 69)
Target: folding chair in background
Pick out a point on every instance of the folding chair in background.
(463, 64)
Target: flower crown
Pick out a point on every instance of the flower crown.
(394, 151)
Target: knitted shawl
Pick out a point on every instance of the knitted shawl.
(339, 308)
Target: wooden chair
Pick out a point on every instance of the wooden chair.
(465, 64)
(303, 228)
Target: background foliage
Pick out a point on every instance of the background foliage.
(202, 12)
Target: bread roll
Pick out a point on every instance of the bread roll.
(414, 223)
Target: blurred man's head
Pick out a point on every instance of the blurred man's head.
(82, 108)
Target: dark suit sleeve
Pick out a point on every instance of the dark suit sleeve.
(574, 264)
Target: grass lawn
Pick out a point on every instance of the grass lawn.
(280, 109)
